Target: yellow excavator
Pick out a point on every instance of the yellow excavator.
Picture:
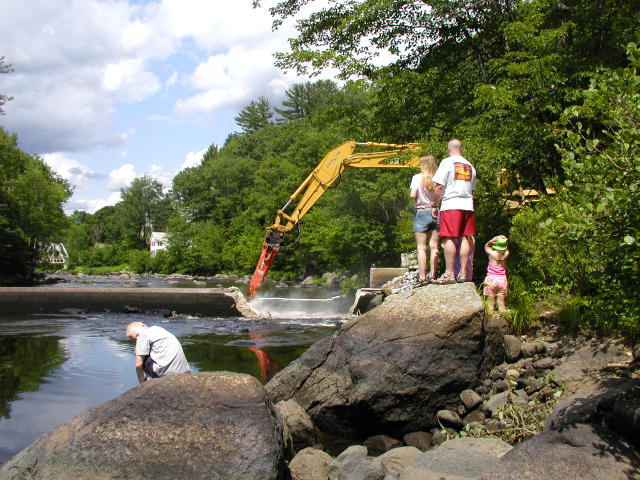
(319, 180)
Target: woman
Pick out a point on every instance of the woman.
(425, 227)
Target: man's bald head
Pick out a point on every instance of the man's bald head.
(454, 147)
(134, 328)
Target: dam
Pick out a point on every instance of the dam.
(219, 302)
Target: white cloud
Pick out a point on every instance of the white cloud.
(193, 159)
(163, 174)
(93, 205)
(229, 80)
(70, 169)
(76, 61)
(121, 177)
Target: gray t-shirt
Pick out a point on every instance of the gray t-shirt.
(165, 351)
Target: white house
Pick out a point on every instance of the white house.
(55, 253)
(158, 241)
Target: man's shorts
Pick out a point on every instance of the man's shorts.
(424, 222)
(457, 223)
(495, 286)
(148, 367)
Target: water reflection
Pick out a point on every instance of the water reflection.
(24, 362)
(53, 367)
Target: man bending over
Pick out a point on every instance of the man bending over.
(158, 352)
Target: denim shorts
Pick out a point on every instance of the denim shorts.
(424, 222)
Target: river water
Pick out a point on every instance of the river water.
(54, 366)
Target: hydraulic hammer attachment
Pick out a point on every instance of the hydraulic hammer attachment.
(272, 244)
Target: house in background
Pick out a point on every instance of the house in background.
(158, 241)
(55, 253)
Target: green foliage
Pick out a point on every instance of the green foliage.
(143, 209)
(255, 116)
(302, 99)
(31, 199)
(592, 225)
(24, 362)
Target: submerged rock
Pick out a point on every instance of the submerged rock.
(391, 369)
(202, 425)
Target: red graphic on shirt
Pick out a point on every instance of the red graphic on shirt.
(463, 172)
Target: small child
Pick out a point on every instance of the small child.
(495, 283)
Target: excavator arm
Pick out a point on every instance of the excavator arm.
(323, 176)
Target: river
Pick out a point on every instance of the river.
(55, 366)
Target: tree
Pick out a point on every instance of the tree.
(255, 116)
(591, 231)
(4, 68)
(31, 214)
(349, 35)
(304, 98)
(143, 210)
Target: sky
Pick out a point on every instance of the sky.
(105, 91)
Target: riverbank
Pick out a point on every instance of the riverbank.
(544, 371)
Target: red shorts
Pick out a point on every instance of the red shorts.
(457, 223)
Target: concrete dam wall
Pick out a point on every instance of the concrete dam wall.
(195, 301)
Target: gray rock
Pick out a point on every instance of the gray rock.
(533, 348)
(492, 446)
(494, 425)
(495, 402)
(395, 460)
(614, 402)
(470, 399)
(449, 419)
(331, 279)
(449, 464)
(366, 299)
(421, 440)
(378, 444)
(442, 436)
(589, 358)
(419, 345)
(577, 453)
(298, 422)
(512, 346)
(494, 352)
(358, 468)
(310, 464)
(348, 454)
(476, 416)
(213, 425)
(521, 397)
(307, 282)
(544, 363)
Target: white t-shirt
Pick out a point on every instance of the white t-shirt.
(458, 177)
(425, 197)
(165, 350)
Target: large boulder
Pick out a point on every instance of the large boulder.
(391, 369)
(612, 402)
(298, 422)
(201, 425)
(576, 453)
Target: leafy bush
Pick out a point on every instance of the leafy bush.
(587, 239)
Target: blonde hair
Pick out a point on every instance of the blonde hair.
(428, 168)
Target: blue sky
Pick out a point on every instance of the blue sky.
(105, 91)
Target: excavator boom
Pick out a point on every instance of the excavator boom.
(313, 187)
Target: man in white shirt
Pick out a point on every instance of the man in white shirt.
(158, 352)
(456, 181)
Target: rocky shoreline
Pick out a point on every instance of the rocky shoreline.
(426, 385)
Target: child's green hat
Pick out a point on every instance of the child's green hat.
(500, 244)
